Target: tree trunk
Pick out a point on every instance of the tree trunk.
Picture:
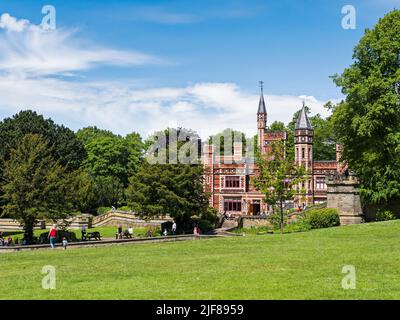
(281, 208)
(29, 224)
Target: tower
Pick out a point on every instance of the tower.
(261, 119)
(304, 134)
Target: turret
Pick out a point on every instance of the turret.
(261, 118)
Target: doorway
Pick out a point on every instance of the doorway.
(256, 208)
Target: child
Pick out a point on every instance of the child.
(64, 243)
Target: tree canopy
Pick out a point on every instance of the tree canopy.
(367, 122)
(36, 186)
(65, 146)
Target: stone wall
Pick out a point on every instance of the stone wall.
(11, 224)
(255, 221)
(343, 195)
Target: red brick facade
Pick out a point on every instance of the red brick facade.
(227, 178)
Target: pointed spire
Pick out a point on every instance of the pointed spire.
(261, 104)
(302, 121)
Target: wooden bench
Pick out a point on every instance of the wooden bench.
(90, 235)
(125, 234)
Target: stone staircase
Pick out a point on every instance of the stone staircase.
(126, 218)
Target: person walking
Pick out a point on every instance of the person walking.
(173, 227)
(119, 232)
(83, 232)
(53, 236)
(65, 243)
(130, 232)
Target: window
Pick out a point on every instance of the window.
(232, 182)
(303, 151)
(321, 184)
(232, 204)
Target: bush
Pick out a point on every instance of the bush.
(211, 215)
(125, 208)
(300, 226)
(275, 219)
(69, 235)
(102, 210)
(205, 225)
(385, 215)
(322, 218)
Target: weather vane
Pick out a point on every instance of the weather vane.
(261, 85)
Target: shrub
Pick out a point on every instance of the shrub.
(124, 208)
(385, 215)
(322, 218)
(300, 226)
(69, 235)
(102, 210)
(275, 219)
(205, 225)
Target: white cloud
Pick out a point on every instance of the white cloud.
(10, 23)
(29, 49)
(205, 107)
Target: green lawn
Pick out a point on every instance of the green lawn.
(106, 232)
(290, 266)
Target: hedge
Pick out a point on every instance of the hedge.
(322, 218)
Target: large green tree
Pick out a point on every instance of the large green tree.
(111, 160)
(166, 185)
(168, 189)
(110, 155)
(64, 144)
(36, 185)
(367, 122)
(65, 147)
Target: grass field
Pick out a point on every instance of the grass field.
(106, 232)
(290, 266)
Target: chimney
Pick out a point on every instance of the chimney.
(237, 151)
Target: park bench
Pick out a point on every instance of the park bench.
(125, 234)
(90, 235)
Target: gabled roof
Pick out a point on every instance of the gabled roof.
(302, 121)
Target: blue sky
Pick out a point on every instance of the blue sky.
(147, 64)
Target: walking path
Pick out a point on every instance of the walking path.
(109, 242)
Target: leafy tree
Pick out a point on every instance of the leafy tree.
(367, 122)
(36, 186)
(173, 146)
(94, 192)
(66, 148)
(111, 155)
(277, 126)
(135, 147)
(108, 157)
(170, 189)
(278, 178)
(324, 147)
(88, 134)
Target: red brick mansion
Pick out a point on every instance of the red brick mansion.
(227, 177)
